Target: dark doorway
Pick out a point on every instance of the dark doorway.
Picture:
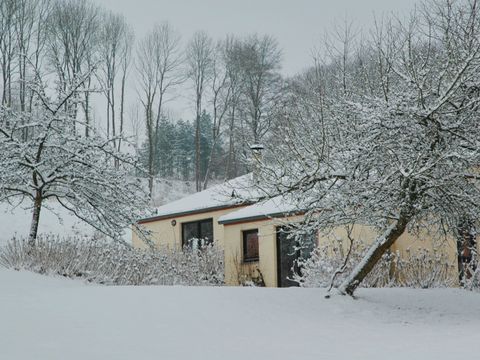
(290, 249)
(466, 250)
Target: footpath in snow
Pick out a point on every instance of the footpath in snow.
(46, 318)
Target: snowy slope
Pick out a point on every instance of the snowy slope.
(49, 318)
(54, 219)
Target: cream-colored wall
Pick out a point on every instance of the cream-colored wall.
(407, 244)
(236, 271)
(267, 250)
(267, 264)
(230, 238)
(166, 235)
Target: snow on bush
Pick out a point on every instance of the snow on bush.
(112, 263)
(421, 268)
(472, 280)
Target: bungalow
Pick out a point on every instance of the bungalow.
(253, 236)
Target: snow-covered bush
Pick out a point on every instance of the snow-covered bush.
(113, 263)
(472, 282)
(418, 269)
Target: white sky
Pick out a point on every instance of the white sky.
(298, 25)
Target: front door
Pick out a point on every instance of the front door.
(289, 251)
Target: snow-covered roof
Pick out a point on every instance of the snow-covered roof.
(231, 193)
(278, 206)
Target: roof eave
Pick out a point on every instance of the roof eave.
(282, 214)
(189, 212)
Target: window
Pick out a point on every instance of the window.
(250, 245)
(197, 233)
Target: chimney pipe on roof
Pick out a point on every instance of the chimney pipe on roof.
(257, 161)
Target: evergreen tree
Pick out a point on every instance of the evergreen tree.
(176, 149)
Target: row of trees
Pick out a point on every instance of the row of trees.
(54, 54)
(62, 41)
(236, 80)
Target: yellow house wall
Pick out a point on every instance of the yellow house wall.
(229, 237)
(407, 243)
(267, 264)
(235, 268)
(166, 235)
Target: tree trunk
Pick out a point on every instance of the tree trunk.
(122, 104)
(150, 168)
(198, 186)
(207, 171)
(374, 254)
(87, 113)
(230, 162)
(210, 161)
(37, 207)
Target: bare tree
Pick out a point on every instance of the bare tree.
(221, 93)
(259, 61)
(159, 59)
(135, 126)
(24, 30)
(35, 63)
(8, 46)
(125, 67)
(232, 48)
(115, 48)
(72, 43)
(199, 71)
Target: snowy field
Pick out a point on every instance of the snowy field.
(52, 318)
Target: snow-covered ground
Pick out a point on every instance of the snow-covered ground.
(53, 318)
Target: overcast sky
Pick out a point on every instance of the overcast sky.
(298, 25)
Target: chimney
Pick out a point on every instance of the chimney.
(257, 161)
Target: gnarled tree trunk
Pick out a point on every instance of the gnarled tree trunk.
(37, 207)
(374, 254)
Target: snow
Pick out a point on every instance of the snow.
(54, 219)
(54, 318)
(275, 206)
(214, 197)
(221, 196)
(168, 190)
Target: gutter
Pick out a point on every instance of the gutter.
(189, 212)
(260, 217)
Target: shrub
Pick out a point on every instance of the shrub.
(111, 263)
(418, 269)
